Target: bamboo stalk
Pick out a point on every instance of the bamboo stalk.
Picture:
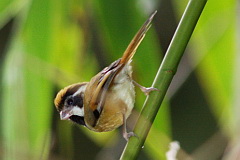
(164, 77)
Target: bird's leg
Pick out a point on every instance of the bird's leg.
(126, 134)
(145, 90)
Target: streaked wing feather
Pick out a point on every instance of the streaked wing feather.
(105, 81)
(108, 74)
(106, 86)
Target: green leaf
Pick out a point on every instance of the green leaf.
(215, 51)
(9, 9)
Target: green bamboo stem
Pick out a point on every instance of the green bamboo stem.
(164, 77)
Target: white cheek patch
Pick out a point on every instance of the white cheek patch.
(78, 111)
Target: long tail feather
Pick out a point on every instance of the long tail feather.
(137, 39)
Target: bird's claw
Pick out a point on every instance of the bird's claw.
(127, 135)
(146, 90)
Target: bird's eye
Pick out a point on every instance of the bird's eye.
(70, 101)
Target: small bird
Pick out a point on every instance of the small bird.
(105, 103)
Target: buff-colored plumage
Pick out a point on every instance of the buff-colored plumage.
(107, 100)
(101, 93)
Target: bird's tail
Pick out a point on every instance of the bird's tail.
(137, 39)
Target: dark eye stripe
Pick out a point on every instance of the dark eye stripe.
(68, 91)
(70, 101)
(78, 101)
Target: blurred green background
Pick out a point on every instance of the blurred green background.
(48, 44)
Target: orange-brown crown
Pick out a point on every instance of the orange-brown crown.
(65, 92)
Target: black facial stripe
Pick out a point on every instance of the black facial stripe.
(78, 101)
(78, 119)
(69, 92)
(70, 101)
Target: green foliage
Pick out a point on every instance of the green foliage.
(55, 43)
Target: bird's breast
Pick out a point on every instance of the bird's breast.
(119, 102)
(124, 88)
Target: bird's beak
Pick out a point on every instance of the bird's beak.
(65, 114)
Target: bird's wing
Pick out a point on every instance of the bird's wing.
(108, 74)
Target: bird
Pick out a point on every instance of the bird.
(106, 101)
